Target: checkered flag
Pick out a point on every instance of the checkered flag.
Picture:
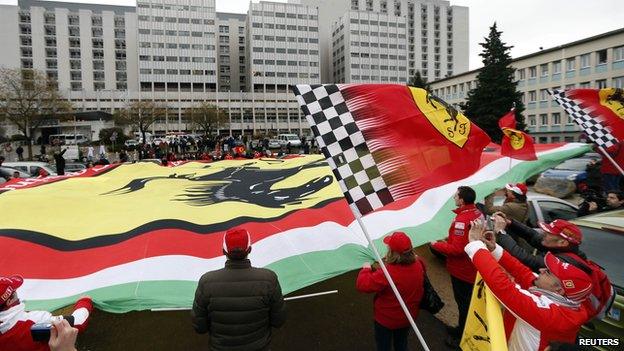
(585, 117)
(343, 144)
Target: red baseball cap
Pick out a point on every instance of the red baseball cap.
(8, 285)
(576, 283)
(236, 239)
(520, 188)
(398, 242)
(564, 229)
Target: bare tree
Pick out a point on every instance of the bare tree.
(140, 115)
(207, 117)
(28, 98)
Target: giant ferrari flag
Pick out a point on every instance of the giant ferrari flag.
(388, 141)
(139, 236)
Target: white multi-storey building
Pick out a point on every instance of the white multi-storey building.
(436, 38)
(83, 47)
(177, 45)
(231, 61)
(594, 62)
(370, 47)
(283, 46)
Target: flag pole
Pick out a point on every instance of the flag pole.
(604, 152)
(391, 282)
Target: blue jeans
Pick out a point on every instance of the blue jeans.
(385, 338)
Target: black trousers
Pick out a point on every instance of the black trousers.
(386, 338)
(462, 292)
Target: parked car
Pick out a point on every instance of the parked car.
(74, 167)
(289, 139)
(131, 143)
(545, 208)
(7, 172)
(603, 234)
(274, 144)
(31, 167)
(591, 155)
(574, 170)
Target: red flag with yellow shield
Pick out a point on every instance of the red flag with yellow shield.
(515, 144)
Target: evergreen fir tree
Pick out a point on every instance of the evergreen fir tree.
(418, 81)
(495, 93)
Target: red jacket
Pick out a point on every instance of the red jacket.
(457, 261)
(15, 325)
(617, 153)
(409, 281)
(533, 318)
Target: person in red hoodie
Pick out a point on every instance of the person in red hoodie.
(611, 176)
(407, 272)
(15, 321)
(539, 308)
(458, 264)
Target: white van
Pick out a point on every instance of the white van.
(67, 139)
(289, 139)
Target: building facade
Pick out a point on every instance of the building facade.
(82, 47)
(595, 62)
(436, 37)
(232, 58)
(283, 44)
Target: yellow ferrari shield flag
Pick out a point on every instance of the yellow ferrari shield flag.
(484, 329)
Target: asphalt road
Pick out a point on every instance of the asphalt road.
(342, 321)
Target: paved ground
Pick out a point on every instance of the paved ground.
(342, 321)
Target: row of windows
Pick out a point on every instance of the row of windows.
(77, 86)
(145, 18)
(378, 78)
(176, 46)
(376, 56)
(280, 50)
(374, 23)
(158, 58)
(284, 26)
(378, 34)
(180, 33)
(381, 67)
(147, 5)
(285, 63)
(600, 58)
(278, 38)
(183, 72)
(283, 15)
(72, 19)
(285, 74)
(366, 44)
(546, 119)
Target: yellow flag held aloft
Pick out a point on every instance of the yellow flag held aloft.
(484, 329)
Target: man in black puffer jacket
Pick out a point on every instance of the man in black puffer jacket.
(239, 304)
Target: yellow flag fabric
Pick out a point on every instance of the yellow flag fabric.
(484, 329)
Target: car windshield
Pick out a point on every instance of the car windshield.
(292, 137)
(598, 244)
(573, 165)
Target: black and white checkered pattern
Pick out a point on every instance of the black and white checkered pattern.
(595, 131)
(343, 144)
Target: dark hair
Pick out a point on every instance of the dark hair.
(236, 254)
(617, 193)
(467, 194)
(520, 198)
(404, 259)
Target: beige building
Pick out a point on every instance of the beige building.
(594, 62)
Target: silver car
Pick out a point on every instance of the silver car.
(545, 208)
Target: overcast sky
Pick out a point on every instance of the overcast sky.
(526, 24)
